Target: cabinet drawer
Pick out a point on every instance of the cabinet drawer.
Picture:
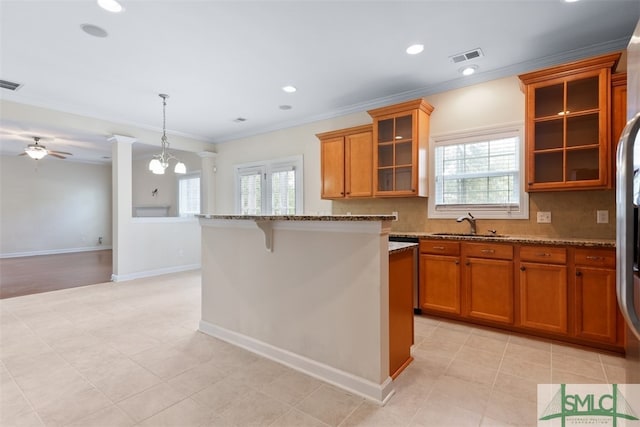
(595, 258)
(545, 254)
(488, 250)
(439, 247)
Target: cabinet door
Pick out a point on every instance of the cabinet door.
(359, 164)
(543, 297)
(440, 283)
(396, 161)
(596, 307)
(567, 125)
(569, 132)
(332, 160)
(489, 290)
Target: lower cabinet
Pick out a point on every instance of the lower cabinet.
(401, 275)
(487, 280)
(567, 293)
(440, 269)
(596, 307)
(542, 286)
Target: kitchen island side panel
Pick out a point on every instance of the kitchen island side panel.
(319, 294)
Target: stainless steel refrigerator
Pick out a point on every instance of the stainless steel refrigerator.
(627, 222)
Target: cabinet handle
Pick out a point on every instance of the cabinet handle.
(457, 262)
(523, 268)
(594, 258)
(439, 248)
(578, 273)
(543, 254)
(487, 251)
(467, 263)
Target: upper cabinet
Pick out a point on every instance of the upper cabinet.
(568, 125)
(346, 162)
(400, 149)
(618, 116)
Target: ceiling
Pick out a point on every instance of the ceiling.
(224, 60)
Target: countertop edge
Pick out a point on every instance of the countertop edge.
(530, 240)
(299, 217)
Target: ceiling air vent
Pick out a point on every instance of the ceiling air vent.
(6, 84)
(240, 120)
(466, 56)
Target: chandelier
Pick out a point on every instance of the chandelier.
(160, 161)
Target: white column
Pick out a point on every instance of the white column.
(121, 182)
(207, 181)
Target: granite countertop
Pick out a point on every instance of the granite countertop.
(530, 240)
(395, 247)
(301, 217)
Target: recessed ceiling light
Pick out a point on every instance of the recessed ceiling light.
(94, 30)
(467, 71)
(415, 49)
(289, 89)
(571, 1)
(110, 5)
(285, 107)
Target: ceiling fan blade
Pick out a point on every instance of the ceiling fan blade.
(56, 155)
(64, 153)
(22, 154)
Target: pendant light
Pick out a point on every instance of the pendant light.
(160, 162)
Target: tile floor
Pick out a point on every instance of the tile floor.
(128, 354)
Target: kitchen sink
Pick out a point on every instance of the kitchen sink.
(468, 235)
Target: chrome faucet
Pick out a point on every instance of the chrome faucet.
(472, 222)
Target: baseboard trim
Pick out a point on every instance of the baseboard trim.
(54, 251)
(151, 273)
(378, 393)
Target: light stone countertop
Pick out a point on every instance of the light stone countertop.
(301, 217)
(395, 247)
(527, 240)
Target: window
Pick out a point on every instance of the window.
(189, 194)
(269, 188)
(478, 172)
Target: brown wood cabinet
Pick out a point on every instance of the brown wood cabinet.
(542, 286)
(440, 276)
(618, 116)
(568, 125)
(597, 317)
(401, 268)
(401, 146)
(562, 292)
(346, 163)
(488, 282)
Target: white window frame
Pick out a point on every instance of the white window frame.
(266, 168)
(479, 211)
(189, 175)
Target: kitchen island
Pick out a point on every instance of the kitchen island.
(311, 292)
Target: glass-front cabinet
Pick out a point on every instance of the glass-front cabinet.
(567, 125)
(400, 135)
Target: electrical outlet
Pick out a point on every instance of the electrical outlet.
(602, 217)
(544, 217)
(394, 213)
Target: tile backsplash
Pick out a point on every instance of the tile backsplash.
(573, 214)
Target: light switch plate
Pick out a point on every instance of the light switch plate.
(394, 213)
(544, 217)
(602, 217)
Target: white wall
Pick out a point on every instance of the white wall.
(274, 145)
(53, 206)
(486, 104)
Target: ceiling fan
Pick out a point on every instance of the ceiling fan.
(37, 151)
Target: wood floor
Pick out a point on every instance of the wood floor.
(44, 273)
